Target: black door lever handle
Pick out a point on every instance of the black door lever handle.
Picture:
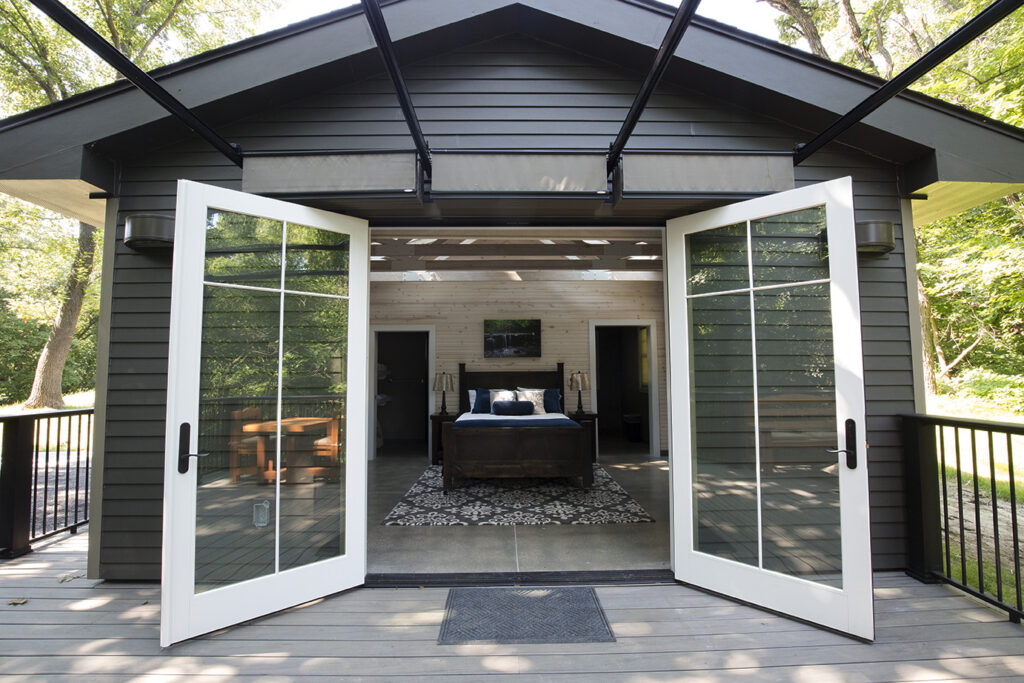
(851, 445)
(184, 438)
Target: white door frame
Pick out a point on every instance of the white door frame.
(653, 387)
(184, 613)
(371, 426)
(848, 609)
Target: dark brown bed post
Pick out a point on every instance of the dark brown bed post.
(464, 406)
(560, 369)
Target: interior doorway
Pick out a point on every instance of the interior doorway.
(402, 392)
(625, 386)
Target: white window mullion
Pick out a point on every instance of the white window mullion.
(753, 376)
(280, 381)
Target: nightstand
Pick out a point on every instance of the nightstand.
(436, 447)
(588, 421)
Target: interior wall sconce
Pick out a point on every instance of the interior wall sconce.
(444, 382)
(578, 381)
(146, 231)
(875, 238)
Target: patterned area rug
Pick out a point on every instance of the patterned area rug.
(524, 615)
(515, 501)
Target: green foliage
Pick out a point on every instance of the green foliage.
(1002, 391)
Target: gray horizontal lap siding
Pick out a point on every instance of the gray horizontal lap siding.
(510, 94)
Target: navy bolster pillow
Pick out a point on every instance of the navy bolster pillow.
(512, 408)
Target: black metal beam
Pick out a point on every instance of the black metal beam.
(985, 20)
(687, 8)
(387, 52)
(143, 81)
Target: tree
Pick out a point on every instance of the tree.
(41, 64)
(971, 279)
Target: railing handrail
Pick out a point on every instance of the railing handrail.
(965, 423)
(43, 414)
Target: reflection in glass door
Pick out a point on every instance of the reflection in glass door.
(764, 319)
(267, 375)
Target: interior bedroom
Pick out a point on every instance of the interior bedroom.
(519, 417)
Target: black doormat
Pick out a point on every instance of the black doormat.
(520, 615)
(515, 501)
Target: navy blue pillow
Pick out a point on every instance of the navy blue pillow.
(483, 401)
(512, 407)
(552, 401)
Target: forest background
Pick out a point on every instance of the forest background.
(971, 266)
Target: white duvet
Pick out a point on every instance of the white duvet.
(490, 416)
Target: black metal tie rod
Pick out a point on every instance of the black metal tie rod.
(985, 20)
(375, 18)
(143, 81)
(687, 8)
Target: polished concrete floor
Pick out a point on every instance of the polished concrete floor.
(521, 548)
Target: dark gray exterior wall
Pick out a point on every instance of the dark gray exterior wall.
(508, 93)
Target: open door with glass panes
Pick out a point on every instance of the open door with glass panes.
(769, 469)
(265, 474)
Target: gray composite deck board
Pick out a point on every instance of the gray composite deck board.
(94, 630)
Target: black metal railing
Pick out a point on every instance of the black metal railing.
(963, 506)
(45, 463)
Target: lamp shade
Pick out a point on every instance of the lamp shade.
(579, 381)
(444, 382)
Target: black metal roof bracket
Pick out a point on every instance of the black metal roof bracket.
(143, 81)
(687, 8)
(985, 20)
(371, 8)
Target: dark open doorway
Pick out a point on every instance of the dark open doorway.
(623, 386)
(402, 392)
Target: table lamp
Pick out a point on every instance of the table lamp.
(444, 382)
(578, 381)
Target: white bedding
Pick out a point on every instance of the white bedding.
(491, 416)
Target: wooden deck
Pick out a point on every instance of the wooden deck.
(72, 626)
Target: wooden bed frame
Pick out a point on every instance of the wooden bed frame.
(493, 452)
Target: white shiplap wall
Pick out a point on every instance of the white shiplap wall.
(565, 308)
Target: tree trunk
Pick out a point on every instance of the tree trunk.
(804, 22)
(930, 343)
(856, 37)
(46, 387)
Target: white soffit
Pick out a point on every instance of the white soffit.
(373, 172)
(949, 198)
(67, 196)
(706, 172)
(486, 172)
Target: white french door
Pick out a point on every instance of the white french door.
(769, 469)
(265, 471)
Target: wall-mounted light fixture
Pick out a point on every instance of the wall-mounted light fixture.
(145, 231)
(875, 238)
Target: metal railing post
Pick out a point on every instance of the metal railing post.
(924, 524)
(16, 486)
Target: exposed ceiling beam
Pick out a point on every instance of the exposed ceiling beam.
(680, 21)
(985, 20)
(387, 52)
(399, 265)
(143, 81)
(400, 249)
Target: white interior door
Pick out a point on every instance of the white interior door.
(766, 386)
(266, 409)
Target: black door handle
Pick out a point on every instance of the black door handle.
(184, 438)
(851, 445)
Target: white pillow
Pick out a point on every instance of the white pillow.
(501, 395)
(534, 396)
(472, 399)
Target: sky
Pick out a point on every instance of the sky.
(749, 15)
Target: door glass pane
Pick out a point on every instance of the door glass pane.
(317, 261)
(717, 260)
(235, 510)
(789, 247)
(313, 388)
(724, 460)
(243, 250)
(797, 424)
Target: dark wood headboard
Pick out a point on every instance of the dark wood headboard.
(509, 379)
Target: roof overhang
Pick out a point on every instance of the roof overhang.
(937, 144)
